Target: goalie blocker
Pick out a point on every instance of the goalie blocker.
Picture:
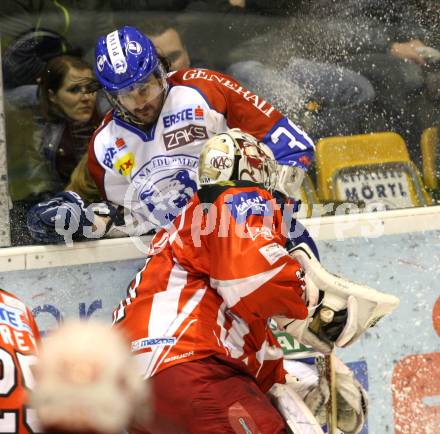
(356, 307)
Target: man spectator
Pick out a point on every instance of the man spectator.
(387, 42)
(168, 42)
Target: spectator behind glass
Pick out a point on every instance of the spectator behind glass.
(81, 182)
(168, 41)
(69, 114)
(23, 64)
(25, 59)
(388, 42)
(323, 97)
(80, 22)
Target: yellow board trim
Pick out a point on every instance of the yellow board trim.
(429, 146)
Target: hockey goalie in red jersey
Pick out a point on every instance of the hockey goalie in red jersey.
(18, 339)
(197, 313)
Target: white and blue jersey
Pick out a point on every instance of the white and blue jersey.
(154, 173)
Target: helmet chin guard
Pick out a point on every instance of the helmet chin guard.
(236, 155)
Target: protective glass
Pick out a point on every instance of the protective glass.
(148, 89)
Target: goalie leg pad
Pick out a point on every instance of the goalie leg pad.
(351, 397)
(352, 400)
(297, 415)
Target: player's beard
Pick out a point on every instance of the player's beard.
(149, 115)
(131, 118)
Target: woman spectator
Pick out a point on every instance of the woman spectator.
(69, 115)
(65, 113)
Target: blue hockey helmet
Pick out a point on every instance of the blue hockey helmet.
(123, 58)
(126, 61)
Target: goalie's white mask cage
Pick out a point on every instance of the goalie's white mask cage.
(236, 155)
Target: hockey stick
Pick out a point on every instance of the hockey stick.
(332, 410)
(326, 315)
(327, 369)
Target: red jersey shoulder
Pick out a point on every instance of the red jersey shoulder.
(239, 203)
(190, 76)
(243, 108)
(95, 169)
(17, 323)
(10, 300)
(107, 118)
(207, 83)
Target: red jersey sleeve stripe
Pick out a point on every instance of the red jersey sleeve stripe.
(232, 291)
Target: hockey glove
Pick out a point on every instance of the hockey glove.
(352, 401)
(353, 307)
(302, 330)
(67, 217)
(299, 234)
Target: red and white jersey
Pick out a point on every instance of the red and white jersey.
(210, 284)
(153, 173)
(18, 336)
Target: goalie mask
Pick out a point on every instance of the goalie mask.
(236, 155)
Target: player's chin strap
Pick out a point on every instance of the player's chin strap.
(353, 307)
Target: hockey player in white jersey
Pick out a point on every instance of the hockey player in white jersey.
(144, 156)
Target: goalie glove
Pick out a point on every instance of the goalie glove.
(351, 399)
(364, 306)
(353, 308)
(300, 329)
(68, 217)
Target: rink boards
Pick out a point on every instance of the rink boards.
(399, 360)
